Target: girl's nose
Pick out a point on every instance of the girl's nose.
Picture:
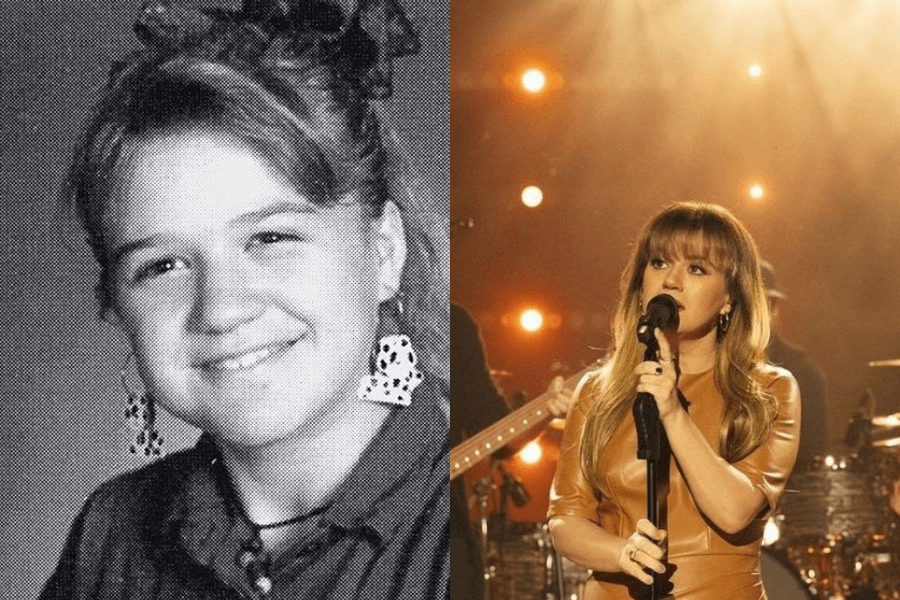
(224, 299)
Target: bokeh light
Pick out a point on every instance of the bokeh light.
(757, 191)
(531, 453)
(534, 80)
(755, 71)
(531, 320)
(532, 196)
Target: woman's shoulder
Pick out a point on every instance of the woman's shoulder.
(779, 382)
(769, 374)
(589, 385)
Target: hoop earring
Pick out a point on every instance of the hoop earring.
(140, 419)
(723, 322)
(394, 375)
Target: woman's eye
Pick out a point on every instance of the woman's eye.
(697, 270)
(159, 267)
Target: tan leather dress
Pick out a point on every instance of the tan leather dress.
(705, 563)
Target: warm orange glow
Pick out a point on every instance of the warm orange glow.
(531, 453)
(534, 80)
(532, 196)
(757, 191)
(531, 320)
(755, 71)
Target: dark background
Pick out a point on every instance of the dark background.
(61, 432)
(650, 102)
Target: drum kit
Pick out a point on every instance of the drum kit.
(835, 526)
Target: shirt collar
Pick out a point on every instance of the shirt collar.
(389, 482)
(386, 485)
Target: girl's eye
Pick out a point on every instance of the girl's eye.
(159, 267)
(267, 238)
(657, 263)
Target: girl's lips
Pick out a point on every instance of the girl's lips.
(246, 360)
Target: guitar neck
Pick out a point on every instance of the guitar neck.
(533, 414)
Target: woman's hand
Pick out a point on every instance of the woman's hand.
(660, 378)
(643, 551)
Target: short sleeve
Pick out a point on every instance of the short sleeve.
(571, 494)
(770, 465)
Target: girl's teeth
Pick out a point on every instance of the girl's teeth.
(244, 362)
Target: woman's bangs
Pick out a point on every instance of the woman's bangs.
(697, 239)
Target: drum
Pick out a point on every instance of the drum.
(781, 579)
(836, 500)
(521, 561)
(525, 566)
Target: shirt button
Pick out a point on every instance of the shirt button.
(245, 558)
(263, 585)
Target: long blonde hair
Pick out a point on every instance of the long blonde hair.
(711, 231)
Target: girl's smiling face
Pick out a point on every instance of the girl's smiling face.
(252, 311)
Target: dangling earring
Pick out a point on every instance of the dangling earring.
(140, 419)
(394, 373)
(724, 321)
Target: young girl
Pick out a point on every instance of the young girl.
(280, 292)
(732, 422)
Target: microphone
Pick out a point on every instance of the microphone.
(517, 491)
(859, 428)
(662, 313)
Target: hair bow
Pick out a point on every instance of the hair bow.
(358, 38)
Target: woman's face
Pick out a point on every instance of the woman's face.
(699, 289)
(251, 311)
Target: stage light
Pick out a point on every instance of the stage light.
(757, 191)
(531, 320)
(531, 453)
(532, 196)
(771, 533)
(534, 80)
(755, 71)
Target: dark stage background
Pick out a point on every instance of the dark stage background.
(651, 102)
(61, 431)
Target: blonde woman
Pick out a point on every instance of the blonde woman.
(732, 422)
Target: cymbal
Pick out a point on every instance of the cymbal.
(887, 443)
(886, 421)
(891, 362)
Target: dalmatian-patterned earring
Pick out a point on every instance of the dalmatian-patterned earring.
(394, 373)
(140, 420)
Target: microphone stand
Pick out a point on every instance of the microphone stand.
(646, 420)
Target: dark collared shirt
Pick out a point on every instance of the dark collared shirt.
(171, 531)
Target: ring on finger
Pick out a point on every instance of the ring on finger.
(631, 553)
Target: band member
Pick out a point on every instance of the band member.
(809, 376)
(277, 282)
(732, 422)
(476, 403)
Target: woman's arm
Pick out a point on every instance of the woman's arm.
(726, 493)
(723, 493)
(574, 503)
(586, 543)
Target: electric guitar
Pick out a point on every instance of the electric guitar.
(533, 414)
